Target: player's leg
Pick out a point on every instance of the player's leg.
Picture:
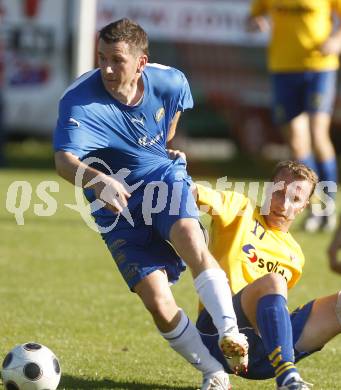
(212, 286)
(264, 303)
(289, 113)
(299, 139)
(317, 333)
(149, 264)
(327, 166)
(320, 103)
(320, 130)
(297, 133)
(178, 330)
(178, 223)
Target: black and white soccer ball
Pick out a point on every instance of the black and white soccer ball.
(30, 366)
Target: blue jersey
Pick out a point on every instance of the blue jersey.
(92, 123)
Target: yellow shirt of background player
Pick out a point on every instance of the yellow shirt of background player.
(299, 28)
(245, 247)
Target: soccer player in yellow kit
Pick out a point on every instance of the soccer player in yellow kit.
(303, 62)
(262, 261)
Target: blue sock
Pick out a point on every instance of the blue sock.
(327, 171)
(274, 325)
(310, 162)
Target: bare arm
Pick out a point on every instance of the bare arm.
(174, 153)
(332, 45)
(106, 188)
(257, 24)
(172, 129)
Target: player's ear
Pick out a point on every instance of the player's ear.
(143, 59)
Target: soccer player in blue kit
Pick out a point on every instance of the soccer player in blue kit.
(114, 124)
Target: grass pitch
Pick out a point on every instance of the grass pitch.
(59, 287)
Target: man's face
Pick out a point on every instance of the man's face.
(290, 196)
(118, 65)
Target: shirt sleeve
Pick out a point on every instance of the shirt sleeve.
(74, 132)
(186, 99)
(259, 7)
(223, 206)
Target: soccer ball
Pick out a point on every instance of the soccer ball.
(30, 366)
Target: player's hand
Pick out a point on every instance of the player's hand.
(331, 46)
(112, 193)
(174, 154)
(257, 24)
(334, 250)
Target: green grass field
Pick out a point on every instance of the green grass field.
(59, 287)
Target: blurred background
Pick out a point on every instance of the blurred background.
(45, 44)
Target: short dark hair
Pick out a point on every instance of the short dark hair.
(298, 170)
(126, 30)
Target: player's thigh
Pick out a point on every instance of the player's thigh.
(177, 200)
(186, 235)
(320, 91)
(319, 103)
(321, 326)
(288, 96)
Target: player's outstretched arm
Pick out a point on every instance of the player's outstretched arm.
(109, 190)
(334, 249)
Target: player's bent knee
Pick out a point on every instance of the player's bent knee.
(161, 307)
(273, 283)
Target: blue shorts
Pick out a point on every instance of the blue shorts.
(298, 92)
(144, 248)
(259, 366)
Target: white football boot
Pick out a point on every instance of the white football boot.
(235, 348)
(295, 383)
(217, 381)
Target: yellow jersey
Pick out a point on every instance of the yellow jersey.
(299, 28)
(240, 240)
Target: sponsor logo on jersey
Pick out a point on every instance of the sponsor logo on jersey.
(74, 122)
(160, 113)
(250, 252)
(269, 265)
(143, 141)
(139, 121)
